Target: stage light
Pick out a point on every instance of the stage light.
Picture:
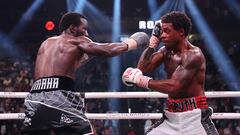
(234, 6)
(49, 25)
(115, 62)
(213, 45)
(25, 19)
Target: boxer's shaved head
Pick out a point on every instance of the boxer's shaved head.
(69, 19)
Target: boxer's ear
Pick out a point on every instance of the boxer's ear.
(182, 31)
(73, 29)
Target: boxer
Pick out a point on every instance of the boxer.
(52, 106)
(188, 112)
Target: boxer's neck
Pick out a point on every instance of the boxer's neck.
(181, 46)
(68, 34)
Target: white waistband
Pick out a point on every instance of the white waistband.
(184, 117)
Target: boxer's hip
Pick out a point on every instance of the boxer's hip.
(52, 103)
(56, 91)
(194, 122)
(193, 116)
(188, 116)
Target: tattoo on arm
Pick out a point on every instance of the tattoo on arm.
(148, 54)
(145, 58)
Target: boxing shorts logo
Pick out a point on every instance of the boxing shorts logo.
(27, 121)
(28, 118)
(65, 119)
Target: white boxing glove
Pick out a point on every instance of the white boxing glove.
(134, 76)
(129, 75)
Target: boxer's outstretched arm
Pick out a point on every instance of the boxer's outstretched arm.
(150, 59)
(103, 49)
(137, 40)
(180, 78)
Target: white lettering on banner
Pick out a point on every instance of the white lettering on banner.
(150, 24)
(142, 25)
(147, 24)
(126, 115)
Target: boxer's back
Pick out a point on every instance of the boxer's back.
(57, 57)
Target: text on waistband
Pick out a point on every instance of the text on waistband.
(46, 83)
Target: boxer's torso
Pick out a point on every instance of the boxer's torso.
(172, 61)
(57, 56)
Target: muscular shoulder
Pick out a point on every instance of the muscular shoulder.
(50, 39)
(159, 55)
(47, 43)
(162, 49)
(53, 38)
(194, 58)
(84, 38)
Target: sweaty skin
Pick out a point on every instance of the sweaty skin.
(62, 55)
(184, 64)
(58, 56)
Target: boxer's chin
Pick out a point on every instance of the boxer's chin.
(167, 46)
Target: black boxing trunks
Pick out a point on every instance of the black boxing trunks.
(188, 116)
(52, 104)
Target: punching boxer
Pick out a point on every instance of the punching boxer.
(52, 107)
(188, 112)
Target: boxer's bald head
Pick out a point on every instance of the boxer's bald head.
(71, 18)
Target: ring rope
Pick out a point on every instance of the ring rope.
(94, 95)
(117, 116)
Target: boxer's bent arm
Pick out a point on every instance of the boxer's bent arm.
(180, 78)
(103, 49)
(150, 60)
